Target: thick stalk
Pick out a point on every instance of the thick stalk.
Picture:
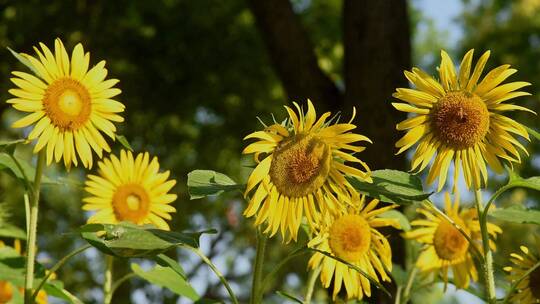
(488, 255)
(311, 284)
(108, 282)
(32, 230)
(256, 290)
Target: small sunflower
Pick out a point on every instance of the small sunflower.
(461, 119)
(528, 290)
(302, 170)
(7, 289)
(353, 237)
(445, 247)
(70, 105)
(130, 189)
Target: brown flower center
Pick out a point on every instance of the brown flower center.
(67, 103)
(300, 165)
(534, 283)
(131, 203)
(460, 119)
(449, 243)
(350, 237)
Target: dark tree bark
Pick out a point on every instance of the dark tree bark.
(377, 50)
(293, 55)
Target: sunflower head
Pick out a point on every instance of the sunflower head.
(353, 237)
(444, 246)
(528, 289)
(70, 105)
(302, 171)
(461, 119)
(130, 189)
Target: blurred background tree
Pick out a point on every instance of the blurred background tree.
(196, 74)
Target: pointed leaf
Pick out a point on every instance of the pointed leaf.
(517, 214)
(124, 142)
(168, 278)
(202, 183)
(23, 60)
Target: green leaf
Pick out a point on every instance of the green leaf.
(533, 132)
(362, 272)
(168, 278)
(23, 60)
(12, 231)
(289, 297)
(392, 186)
(127, 240)
(8, 163)
(56, 289)
(515, 181)
(9, 146)
(517, 214)
(124, 142)
(202, 183)
(399, 275)
(166, 261)
(400, 217)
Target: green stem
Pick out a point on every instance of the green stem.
(121, 281)
(108, 282)
(488, 255)
(256, 290)
(311, 284)
(207, 261)
(410, 280)
(57, 266)
(32, 231)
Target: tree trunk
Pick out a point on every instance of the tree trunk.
(293, 55)
(377, 50)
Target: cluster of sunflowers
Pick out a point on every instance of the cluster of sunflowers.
(304, 175)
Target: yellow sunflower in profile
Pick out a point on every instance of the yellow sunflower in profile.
(130, 189)
(353, 237)
(7, 289)
(528, 290)
(302, 171)
(445, 247)
(70, 105)
(461, 119)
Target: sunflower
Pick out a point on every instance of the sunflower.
(529, 287)
(7, 289)
(130, 189)
(70, 105)
(461, 119)
(445, 247)
(353, 237)
(302, 170)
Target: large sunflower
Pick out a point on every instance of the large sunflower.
(70, 105)
(302, 170)
(353, 237)
(130, 189)
(461, 119)
(528, 290)
(445, 247)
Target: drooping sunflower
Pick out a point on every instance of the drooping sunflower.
(70, 104)
(130, 189)
(301, 170)
(445, 247)
(7, 289)
(461, 119)
(528, 290)
(353, 237)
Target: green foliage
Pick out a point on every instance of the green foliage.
(128, 240)
(23, 60)
(392, 186)
(9, 162)
(11, 231)
(167, 277)
(517, 214)
(202, 183)
(400, 217)
(124, 142)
